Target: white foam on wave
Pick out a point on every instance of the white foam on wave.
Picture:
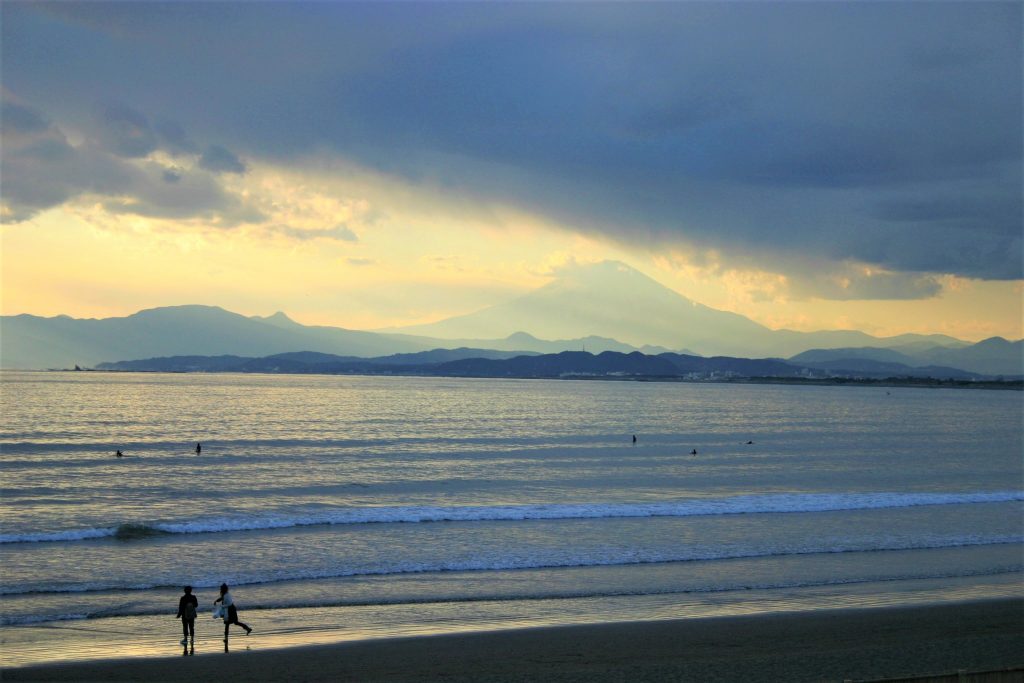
(143, 608)
(733, 505)
(520, 563)
(56, 536)
(26, 620)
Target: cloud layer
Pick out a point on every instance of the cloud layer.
(861, 148)
(41, 169)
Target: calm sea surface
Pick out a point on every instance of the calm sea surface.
(404, 505)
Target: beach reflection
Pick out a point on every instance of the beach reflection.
(149, 636)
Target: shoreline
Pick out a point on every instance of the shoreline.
(836, 644)
(894, 382)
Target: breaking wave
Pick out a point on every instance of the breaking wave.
(733, 505)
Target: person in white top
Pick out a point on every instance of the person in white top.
(230, 612)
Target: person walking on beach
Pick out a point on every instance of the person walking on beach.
(231, 613)
(188, 606)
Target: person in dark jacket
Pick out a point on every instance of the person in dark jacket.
(188, 607)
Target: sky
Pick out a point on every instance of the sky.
(811, 165)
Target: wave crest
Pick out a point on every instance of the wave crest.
(792, 503)
(131, 532)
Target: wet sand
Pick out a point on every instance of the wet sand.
(811, 646)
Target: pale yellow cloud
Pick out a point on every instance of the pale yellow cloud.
(964, 308)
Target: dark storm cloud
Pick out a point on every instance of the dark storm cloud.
(887, 133)
(126, 132)
(157, 192)
(42, 169)
(849, 284)
(220, 160)
(22, 120)
(174, 139)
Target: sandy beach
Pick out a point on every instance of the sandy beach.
(867, 644)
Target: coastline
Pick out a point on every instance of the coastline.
(894, 382)
(839, 644)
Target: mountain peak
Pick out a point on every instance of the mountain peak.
(606, 299)
(279, 319)
(520, 337)
(994, 342)
(184, 310)
(607, 277)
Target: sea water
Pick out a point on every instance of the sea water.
(340, 507)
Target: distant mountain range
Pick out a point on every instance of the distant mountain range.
(614, 300)
(603, 307)
(467, 362)
(994, 356)
(305, 362)
(34, 342)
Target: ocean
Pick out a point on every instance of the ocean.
(341, 507)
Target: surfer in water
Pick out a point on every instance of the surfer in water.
(231, 613)
(118, 454)
(199, 448)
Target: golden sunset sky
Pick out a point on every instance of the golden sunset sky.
(811, 166)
